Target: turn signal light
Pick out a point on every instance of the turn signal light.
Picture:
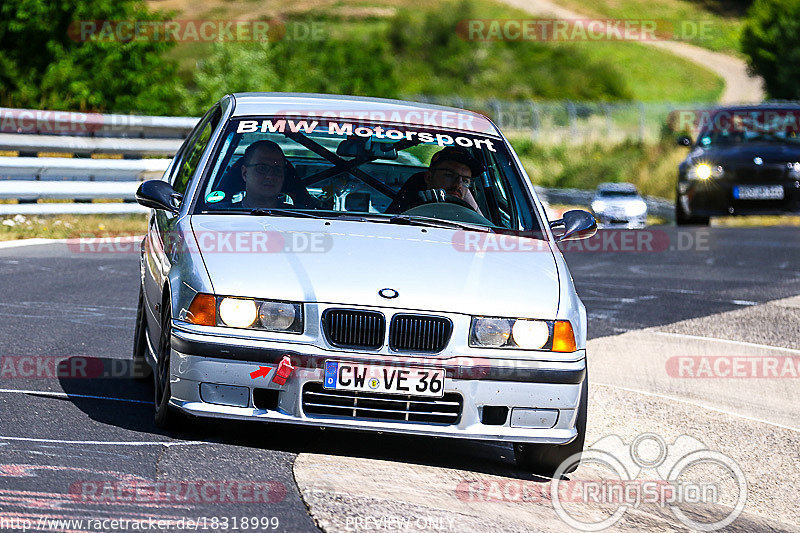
(203, 310)
(563, 336)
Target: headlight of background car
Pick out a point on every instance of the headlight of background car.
(248, 313)
(522, 334)
(635, 209)
(598, 206)
(794, 170)
(703, 171)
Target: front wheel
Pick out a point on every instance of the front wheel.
(140, 368)
(544, 459)
(165, 417)
(682, 218)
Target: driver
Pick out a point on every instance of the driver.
(451, 172)
(263, 172)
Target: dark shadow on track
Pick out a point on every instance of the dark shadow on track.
(497, 459)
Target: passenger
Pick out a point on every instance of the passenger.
(452, 170)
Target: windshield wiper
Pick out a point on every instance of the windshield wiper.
(327, 215)
(262, 211)
(438, 223)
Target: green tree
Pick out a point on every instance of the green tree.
(771, 40)
(46, 63)
(355, 66)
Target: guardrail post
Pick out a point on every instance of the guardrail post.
(573, 126)
(642, 128)
(535, 122)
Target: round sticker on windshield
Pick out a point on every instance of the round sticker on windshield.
(215, 196)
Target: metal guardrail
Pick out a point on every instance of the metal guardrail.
(145, 144)
(72, 209)
(51, 168)
(31, 143)
(68, 190)
(33, 121)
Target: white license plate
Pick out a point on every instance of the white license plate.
(758, 192)
(341, 375)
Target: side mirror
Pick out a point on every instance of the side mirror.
(158, 194)
(577, 224)
(684, 140)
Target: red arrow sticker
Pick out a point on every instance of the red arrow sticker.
(262, 372)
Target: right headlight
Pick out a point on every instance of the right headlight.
(247, 313)
(522, 334)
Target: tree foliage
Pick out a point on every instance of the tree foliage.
(771, 40)
(45, 64)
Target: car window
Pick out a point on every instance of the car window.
(749, 126)
(618, 194)
(194, 150)
(366, 168)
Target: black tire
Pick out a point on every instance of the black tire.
(684, 219)
(140, 369)
(545, 459)
(166, 417)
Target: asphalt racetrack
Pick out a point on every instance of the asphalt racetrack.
(693, 347)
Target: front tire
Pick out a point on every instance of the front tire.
(544, 459)
(682, 218)
(165, 416)
(141, 369)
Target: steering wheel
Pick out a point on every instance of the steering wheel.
(453, 208)
(450, 199)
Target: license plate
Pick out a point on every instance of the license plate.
(386, 379)
(758, 192)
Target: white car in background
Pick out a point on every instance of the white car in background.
(619, 205)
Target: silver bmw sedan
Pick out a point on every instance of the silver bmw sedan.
(363, 264)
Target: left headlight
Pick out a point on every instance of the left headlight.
(246, 313)
(703, 171)
(520, 333)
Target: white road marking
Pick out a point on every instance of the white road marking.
(728, 341)
(65, 395)
(699, 404)
(106, 443)
(29, 242)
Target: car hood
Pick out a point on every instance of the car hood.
(348, 262)
(744, 153)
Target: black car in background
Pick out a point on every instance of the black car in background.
(746, 160)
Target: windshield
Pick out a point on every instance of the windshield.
(747, 126)
(279, 165)
(617, 194)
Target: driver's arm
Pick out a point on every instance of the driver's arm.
(471, 201)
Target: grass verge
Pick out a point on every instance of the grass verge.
(70, 226)
(712, 24)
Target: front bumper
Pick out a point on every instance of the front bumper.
(716, 198)
(202, 363)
